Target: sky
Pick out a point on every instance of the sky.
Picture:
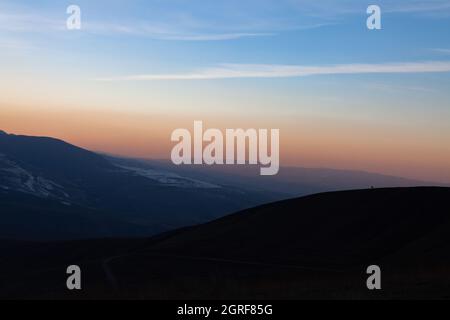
(342, 96)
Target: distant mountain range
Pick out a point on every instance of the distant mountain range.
(292, 181)
(51, 190)
(317, 246)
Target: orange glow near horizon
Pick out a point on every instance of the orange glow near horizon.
(311, 142)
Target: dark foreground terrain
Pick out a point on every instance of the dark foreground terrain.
(312, 247)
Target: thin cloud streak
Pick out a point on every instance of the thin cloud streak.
(29, 21)
(34, 23)
(235, 71)
(422, 6)
(210, 37)
(161, 33)
(330, 9)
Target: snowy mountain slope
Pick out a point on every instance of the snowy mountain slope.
(14, 177)
(141, 195)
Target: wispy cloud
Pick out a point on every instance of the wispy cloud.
(219, 21)
(230, 71)
(164, 31)
(32, 23)
(330, 8)
(160, 32)
(208, 37)
(411, 6)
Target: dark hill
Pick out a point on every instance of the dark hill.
(313, 247)
(330, 229)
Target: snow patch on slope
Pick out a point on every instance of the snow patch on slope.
(169, 178)
(14, 177)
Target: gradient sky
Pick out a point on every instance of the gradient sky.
(342, 96)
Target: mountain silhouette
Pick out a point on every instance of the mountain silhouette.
(51, 175)
(84, 188)
(53, 156)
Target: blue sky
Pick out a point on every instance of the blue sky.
(144, 41)
(282, 60)
(176, 34)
